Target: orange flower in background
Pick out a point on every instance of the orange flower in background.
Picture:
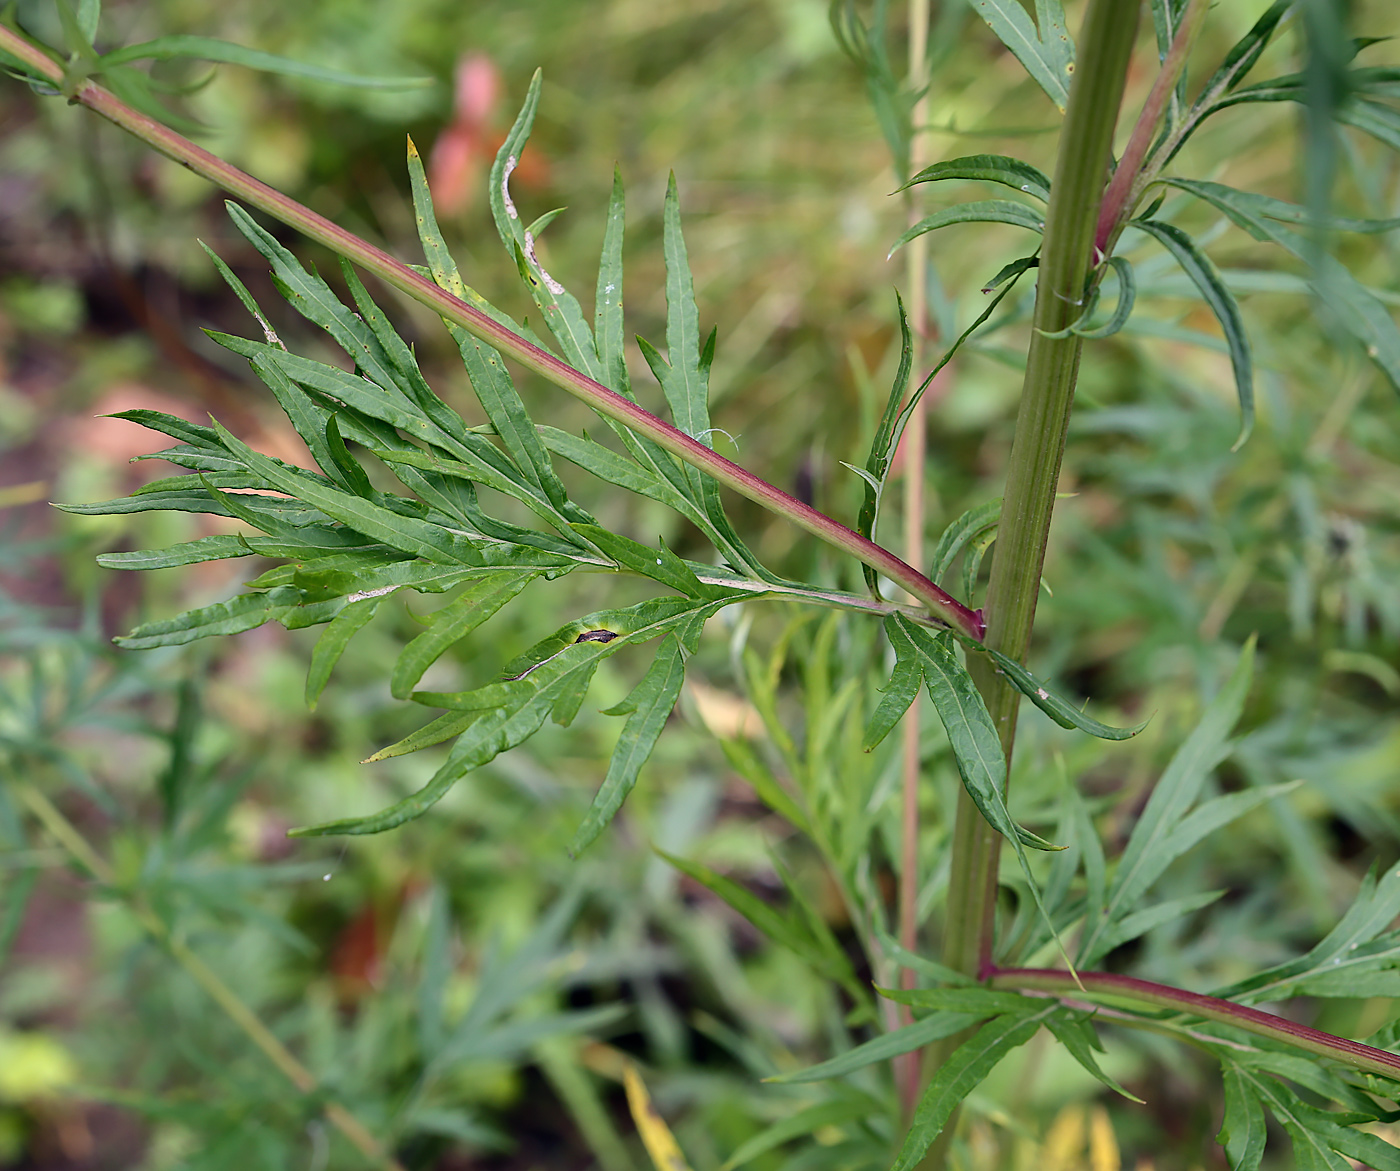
(464, 150)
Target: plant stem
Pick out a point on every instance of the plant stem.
(1239, 1016)
(941, 605)
(1052, 367)
(78, 847)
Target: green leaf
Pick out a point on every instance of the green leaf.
(481, 599)
(976, 745)
(332, 643)
(237, 614)
(608, 326)
(767, 788)
(784, 930)
(973, 523)
(1197, 265)
(1242, 1131)
(877, 464)
(1053, 705)
(1127, 295)
(976, 1000)
(650, 703)
(983, 211)
(899, 693)
(1075, 1032)
(989, 169)
(849, 1106)
(402, 532)
(969, 1064)
(1312, 1150)
(1148, 852)
(1355, 308)
(685, 381)
(445, 727)
(905, 1039)
(1376, 905)
(185, 553)
(1138, 923)
(224, 53)
(658, 564)
(1046, 53)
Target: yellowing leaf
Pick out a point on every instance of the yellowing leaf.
(660, 1143)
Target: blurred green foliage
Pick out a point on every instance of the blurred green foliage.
(442, 980)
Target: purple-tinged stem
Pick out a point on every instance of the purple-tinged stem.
(1124, 188)
(941, 605)
(1239, 1016)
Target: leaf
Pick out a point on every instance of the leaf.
(1053, 705)
(1138, 923)
(608, 327)
(1242, 1131)
(1076, 1033)
(482, 598)
(899, 693)
(969, 1064)
(877, 464)
(651, 702)
(1355, 308)
(988, 169)
(985, 211)
(975, 1000)
(225, 53)
(784, 930)
(658, 564)
(1127, 295)
(849, 1106)
(905, 1039)
(237, 614)
(976, 746)
(660, 1143)
(972, 523)
(503, 715)
(1222, 303)
(402, 532)
(1047, 53)
(747, 763)
(185, 553)
(1148, 852)
(332, 643)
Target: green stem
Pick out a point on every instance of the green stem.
(1077, 985)
(941, 605)
(1052, 367)
(81, 851)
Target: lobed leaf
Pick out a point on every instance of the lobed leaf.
(1242, 1130)
(1075, 1032)
(332, 643)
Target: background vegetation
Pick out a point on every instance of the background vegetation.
(447, 981)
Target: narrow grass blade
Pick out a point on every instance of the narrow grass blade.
(963, 1072)
(660, 1143)
(650, 704)
(1148, 852)
(849, 1107)
(1197, 265)
(332, 643)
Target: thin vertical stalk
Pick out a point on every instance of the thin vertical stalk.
(1052, 368)
(916, 280)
